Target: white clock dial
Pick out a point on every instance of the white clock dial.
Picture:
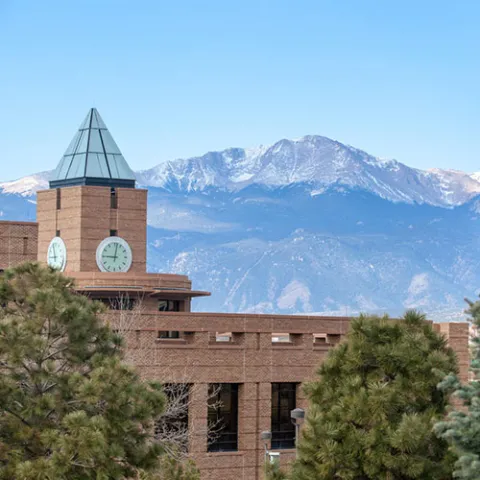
(57, 254)
(114, 255)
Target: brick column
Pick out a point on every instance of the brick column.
(457, 336)
(198, 419)
(264, 423)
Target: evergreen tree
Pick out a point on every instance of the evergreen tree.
(371, 413)
(69, 408)
(274, 472)
(462, 428)
(170, 469)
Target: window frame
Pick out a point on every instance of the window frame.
(219, 411)
(172, 305)
(113, 198)
(168, 335)
(178, 426)
(115, 303)
(283, 431)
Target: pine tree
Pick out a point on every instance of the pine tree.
(462, 428)
(371, 413)
(69, 408)
(171, 469)
(274, 472)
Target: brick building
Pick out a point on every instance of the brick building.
(92, 225)
(18, 243)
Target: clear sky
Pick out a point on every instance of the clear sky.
(177, 78)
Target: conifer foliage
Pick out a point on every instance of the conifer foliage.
(274, 472)
(462, 428)
(69, 408)
(371, 413)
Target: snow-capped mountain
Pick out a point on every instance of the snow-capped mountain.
(26, 186)
(318, 161)
(309, 225)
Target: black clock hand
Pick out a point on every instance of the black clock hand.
(115, 254)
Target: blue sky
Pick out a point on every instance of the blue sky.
(177, 78)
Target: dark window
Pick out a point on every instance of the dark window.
(168, 306)
(59, 198)
(168, 334)
(283, 402)
(113, 198)
(118, 303)
(113, 233)
(2, 304)
(223, 417)
(174, 421)
(57, 233)
(25, 245)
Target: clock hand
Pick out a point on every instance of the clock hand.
(116, 248)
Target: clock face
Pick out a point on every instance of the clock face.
(114, 255)
(57, 254)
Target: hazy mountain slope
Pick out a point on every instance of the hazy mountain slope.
(343, 251)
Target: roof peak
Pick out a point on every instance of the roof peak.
(93, 158)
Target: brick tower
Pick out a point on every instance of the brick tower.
(93, 218)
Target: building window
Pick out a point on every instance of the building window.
(283, 402)
(223, 416)
(25, 245)
(57, 233)
(59, 198)
(113, 198)
(173, 424)
(113, 233)
(118, 303)
(168, 306)
(168, 334)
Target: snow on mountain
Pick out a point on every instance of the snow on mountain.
(26, 186)
(475, 176)
(318, 161)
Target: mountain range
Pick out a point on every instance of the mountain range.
(306, 226)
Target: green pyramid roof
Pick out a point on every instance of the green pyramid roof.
(93, 158)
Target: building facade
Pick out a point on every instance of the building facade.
(18, 243)
(243, 371)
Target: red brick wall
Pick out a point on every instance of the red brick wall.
(457, 336)
(18, 243)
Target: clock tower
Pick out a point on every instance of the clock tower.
(93, 219)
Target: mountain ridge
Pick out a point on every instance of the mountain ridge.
(312, 159)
